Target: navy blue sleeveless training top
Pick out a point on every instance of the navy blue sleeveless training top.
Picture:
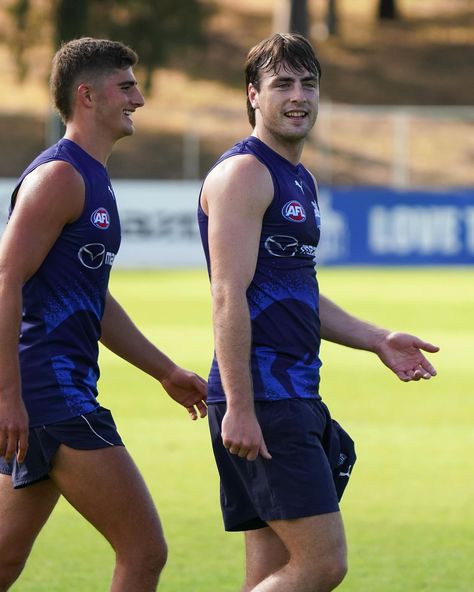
(63, 302)
(283, 296)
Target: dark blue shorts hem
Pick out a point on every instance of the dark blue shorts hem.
(28, 482)
(90, 431)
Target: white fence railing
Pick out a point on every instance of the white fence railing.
(391, 146)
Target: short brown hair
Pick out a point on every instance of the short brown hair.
(268, 55)
(85, 56)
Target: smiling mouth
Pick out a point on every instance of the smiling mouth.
(296, 114)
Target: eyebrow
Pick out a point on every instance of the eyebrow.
(310, 77)
(129, 82)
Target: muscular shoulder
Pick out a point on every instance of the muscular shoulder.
(56, 175)
(53, 184)
(241, 177)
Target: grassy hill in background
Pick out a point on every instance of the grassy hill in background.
(425, 58)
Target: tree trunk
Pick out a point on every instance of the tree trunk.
(71, 19)
(331, 19)
(388, 9)
(299, 17)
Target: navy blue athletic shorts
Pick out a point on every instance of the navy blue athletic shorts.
(85, 432)
(312, 459)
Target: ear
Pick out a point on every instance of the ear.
(252, 93)
(84, 95)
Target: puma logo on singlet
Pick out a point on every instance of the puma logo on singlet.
(300, 185)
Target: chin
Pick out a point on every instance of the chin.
(124, 134)
(295, 136)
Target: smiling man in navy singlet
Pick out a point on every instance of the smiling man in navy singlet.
(55, 259)
(283, 462)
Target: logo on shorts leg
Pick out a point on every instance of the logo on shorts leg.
(347, 473)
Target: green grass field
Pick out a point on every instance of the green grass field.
(409, 510)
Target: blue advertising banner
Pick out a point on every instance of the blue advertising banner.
(370, 226)
(359, 226)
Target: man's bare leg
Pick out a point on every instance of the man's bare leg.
(106, 487)
(317, 555)
(264, 554)
(23, 513)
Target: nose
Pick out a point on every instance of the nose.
(298, 94)
(138, 99)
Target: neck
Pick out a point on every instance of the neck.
(290, 149)
(99, 148)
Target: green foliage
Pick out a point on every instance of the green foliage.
(72, 19)
(156, 29)
(408, 510)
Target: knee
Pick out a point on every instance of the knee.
(333, 574)
(9, 572)
(158, 557)
(154, 562)
(150, 558)
(324, 575)
(154, 558)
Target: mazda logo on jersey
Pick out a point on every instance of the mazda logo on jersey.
(294, 211)
(92, 255)
(281, 245)
(100, 218)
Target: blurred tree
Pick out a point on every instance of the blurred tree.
(291, 15)
(156, 29)
(71, 20)
(331, 18)
(387, 9)
(19, 36)
(299, 18)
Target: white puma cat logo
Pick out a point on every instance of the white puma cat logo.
(348, 474)
(300, 185)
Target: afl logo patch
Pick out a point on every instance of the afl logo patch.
(101, 219)
(294, 211)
